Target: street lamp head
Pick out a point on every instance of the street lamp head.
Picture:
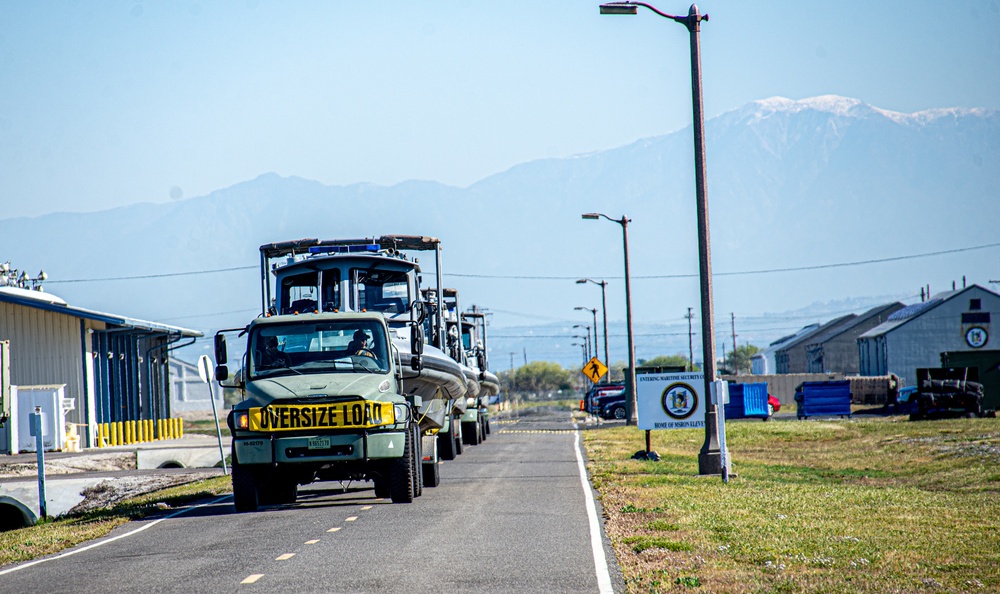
(582, 281)
(619, 8)
(591, 216)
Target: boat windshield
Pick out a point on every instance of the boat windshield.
(348, 346)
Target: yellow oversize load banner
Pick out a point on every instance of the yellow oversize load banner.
(339, 415)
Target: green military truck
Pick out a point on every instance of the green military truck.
(322, 400)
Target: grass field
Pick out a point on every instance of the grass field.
(863, 505)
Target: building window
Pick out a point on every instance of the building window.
(975, 304)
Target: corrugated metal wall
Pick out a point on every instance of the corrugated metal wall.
(45, 348)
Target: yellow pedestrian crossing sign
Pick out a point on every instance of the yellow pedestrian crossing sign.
(594, 370)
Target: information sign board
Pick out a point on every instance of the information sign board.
(670, 400)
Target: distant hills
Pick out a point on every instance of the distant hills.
(791, 184)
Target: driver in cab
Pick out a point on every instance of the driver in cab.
(359, 346)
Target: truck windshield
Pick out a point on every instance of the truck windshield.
(386, 291)
(348, 346)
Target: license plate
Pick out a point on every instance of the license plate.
(319, 443)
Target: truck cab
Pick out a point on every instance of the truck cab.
(322, 400)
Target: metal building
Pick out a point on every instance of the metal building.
(791, 356)
(837, 350)
(916, 335)
(114, 368)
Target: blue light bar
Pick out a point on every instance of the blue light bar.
(343, 249)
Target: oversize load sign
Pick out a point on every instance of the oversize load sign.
(670, 400)
(321, 416)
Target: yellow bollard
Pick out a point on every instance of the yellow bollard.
(160, 429)
(114, 433)
(139, 431)
(180, 426)
(121, 432)
(100, 435)
(149, 430)
(128, 432)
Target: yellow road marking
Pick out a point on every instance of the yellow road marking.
(252, 578)
(334, 529)
(285, 557)
(350, 519)
(312, 541)
(366, 507)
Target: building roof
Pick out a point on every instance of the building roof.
(822, 328)
(910, 312)
(47, 302)
(834, 332)
(780, 343)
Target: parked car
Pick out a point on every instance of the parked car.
(614, 407)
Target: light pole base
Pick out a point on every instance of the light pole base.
(710, 462)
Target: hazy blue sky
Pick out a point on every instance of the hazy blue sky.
(109, 103)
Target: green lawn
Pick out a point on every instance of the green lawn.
(863, 505)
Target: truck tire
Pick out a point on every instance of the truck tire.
(401, 474)
(432, 475)
(456, 428)
(244, 489)
(482, 429)
(446, 445)
(470, 433)
(381, 487)
(488, 426)
(418, 458)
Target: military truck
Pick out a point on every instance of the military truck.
(322, 400)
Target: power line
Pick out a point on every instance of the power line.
(530, 277)
(146, 276)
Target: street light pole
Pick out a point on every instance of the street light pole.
(587, 337)
(604, 309)
(710, 458)
(630, 403)
(593, 311)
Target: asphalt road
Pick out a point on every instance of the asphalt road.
(509, 516)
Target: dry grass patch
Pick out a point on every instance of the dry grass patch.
(869, 505)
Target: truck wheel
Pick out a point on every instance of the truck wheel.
(446, 445)
(488, 426)
(401, 474)
(244, 489)
(432, 476)
(381, 487)
(456, 427)
(418, 458)
(482, 429)
(470, 433)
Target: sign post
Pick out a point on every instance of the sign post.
(37, 429)
(594, 370)
(205, 368)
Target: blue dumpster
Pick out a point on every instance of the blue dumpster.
(823, 399)
(747, 401)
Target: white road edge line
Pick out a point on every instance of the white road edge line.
(600, 562)
(112, 539)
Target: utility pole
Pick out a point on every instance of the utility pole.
(732, 319)
(524, 351)
(689, 317)
(512, 353)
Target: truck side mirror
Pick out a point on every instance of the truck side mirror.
(416, 339)
(416, 363)
(221, 373)
(481, 360)
(221, 355)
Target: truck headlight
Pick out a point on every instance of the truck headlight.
(402, 413)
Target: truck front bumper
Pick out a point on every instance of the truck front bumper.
(328, 448)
